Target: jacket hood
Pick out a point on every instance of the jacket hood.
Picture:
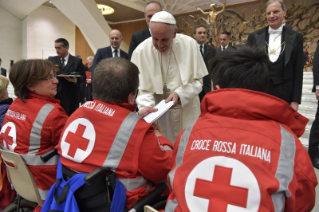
(252, 105)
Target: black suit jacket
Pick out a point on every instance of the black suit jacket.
(104, 53)
(209, 53)
(315, 70)
(3, 72)
(138, 38)
(68, 92)
(292, 73)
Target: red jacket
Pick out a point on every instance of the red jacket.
(242, 153)
(111, 135)
(32, 128)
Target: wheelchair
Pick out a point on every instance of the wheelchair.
(98, 191)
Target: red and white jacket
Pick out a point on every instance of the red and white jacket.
(111, 135)
(32, 128)
(242, 154)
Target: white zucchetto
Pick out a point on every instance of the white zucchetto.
(163, 17)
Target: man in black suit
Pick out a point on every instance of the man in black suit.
(285, 50)
(150, 9)
(111, 51)
(208, 52)
(313, 148)
(3, 71)
(224, 39)
(68, 87)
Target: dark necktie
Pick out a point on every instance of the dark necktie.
(115, 53)
(201, 49)
(62, 63)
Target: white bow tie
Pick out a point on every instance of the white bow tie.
(275, 31)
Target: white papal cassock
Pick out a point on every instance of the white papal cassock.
(182, 71)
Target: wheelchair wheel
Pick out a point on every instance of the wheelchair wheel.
(159, 205)
(25, 206)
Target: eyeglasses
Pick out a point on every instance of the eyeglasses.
(50, 77)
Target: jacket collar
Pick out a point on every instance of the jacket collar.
(46, 98)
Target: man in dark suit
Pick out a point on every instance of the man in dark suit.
(224, 39)
(150, 9)
(68, 87)
(208, 52)
(313, 148)
(3, 71)
(285, 50)
(111, 51)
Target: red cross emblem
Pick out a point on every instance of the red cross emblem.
(76, 140)
(219, 192)
(7, 138)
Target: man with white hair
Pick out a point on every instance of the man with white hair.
(171, 68)
(285, 50)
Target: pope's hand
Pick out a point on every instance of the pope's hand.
(146, 110)
(172, 97)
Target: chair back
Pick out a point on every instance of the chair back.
(20, 176)
(148, 208)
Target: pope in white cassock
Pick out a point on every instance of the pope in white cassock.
(171, 67)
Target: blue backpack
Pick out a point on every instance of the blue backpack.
(61, 194)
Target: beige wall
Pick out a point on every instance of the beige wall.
(43, 26)
(10, 38)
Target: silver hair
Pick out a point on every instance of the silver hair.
(283, 6)
(90, 57)
(171, 26)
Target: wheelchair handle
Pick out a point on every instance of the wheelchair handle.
(92, 176)
(150, 197)
(48, 155)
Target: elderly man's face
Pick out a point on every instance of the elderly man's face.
(162, 36)
(275, 15)
(89, 60)
(115, 39)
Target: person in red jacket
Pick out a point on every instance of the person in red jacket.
(107, 132)
(34, 121)
(243, 152)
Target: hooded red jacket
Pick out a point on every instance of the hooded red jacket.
(242, 154)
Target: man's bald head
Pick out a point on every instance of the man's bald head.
(150, 9)
(115, 38)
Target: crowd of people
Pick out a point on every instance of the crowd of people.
(229, 142)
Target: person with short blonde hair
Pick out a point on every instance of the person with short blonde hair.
(4, 82)
(5, 101)
(6, 194)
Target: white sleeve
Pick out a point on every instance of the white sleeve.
(189, 91)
